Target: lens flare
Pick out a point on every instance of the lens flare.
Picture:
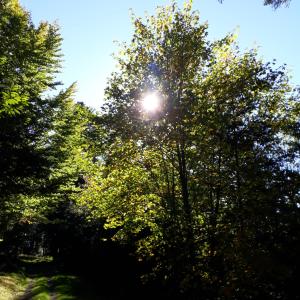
(151, 102)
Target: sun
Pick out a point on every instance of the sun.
(151, 102)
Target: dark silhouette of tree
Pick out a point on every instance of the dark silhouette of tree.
(277, 3)
(274, 3)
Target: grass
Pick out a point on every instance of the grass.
(16, 286)
(42, 288)
(39, 278)
(12, 285)
(42, 278)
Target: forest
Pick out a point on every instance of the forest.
(185, 185)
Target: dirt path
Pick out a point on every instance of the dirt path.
(28, 294)
(52, 293)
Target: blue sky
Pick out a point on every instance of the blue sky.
(89, 29)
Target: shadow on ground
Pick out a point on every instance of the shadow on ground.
(46, 280)
(84, 278)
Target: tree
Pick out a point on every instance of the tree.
(211, 161)
(29, 61)
(275, 3)
(43, 139)
(30, 57)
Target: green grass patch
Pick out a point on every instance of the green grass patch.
(64, 286)
(12, 285)
(40, 278)
(40, 290)
(60, 286)
(31, 259)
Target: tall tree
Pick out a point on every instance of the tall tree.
(43, 140)
(212, 158)
(29, 59)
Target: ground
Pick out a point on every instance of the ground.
(40, 278)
